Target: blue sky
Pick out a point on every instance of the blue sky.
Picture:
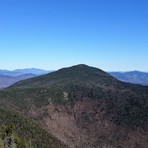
(50, 34)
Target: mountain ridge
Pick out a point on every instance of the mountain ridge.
(8, 78)
(135, 77)
(6, 81)
(18, 72)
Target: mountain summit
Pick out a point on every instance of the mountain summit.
(76, 75)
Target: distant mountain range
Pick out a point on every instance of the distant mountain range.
(8, 78)
(19, 72)
(136, 77)
(6, 81)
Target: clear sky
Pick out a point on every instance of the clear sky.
(50, 34)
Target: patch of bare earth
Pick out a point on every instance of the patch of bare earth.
(86, 125)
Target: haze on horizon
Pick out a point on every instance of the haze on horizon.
(51, 34)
